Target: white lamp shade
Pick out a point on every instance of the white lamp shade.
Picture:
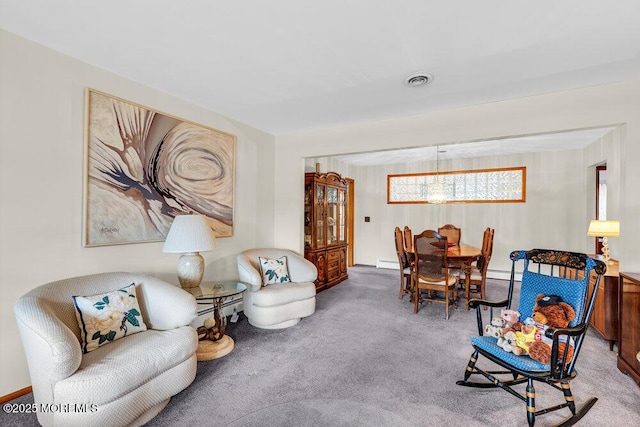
(189, 233)
(608, 228)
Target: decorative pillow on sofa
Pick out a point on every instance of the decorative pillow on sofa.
(107, 317)
(274, 270)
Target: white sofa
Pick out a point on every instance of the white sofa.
(128, 381)
(279, 305)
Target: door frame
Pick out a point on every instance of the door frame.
(597, 217)
(350, 220)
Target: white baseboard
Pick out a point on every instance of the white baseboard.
(502, 275)
(393, 265)
(498, 274)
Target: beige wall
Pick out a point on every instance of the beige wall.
(41, 175)
(517, 226)
(554, 215)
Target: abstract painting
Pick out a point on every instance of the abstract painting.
(144, 167)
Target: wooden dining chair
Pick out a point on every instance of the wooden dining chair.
(408, 240)
(478, 279)
(431, 272)
(408, 244)
(403, 261)
(487, 240)
(452, 233)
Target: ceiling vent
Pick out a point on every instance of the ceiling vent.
(418, 79)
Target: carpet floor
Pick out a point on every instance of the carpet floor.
(365, 359)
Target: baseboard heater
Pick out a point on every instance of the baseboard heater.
(392, 265)
(491, 274)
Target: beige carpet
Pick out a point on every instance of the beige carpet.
(365, 359)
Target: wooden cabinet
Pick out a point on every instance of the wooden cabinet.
(604, 318)
(629, 332)
(325, 226)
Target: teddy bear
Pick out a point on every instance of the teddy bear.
(550, 311)
(508, 343)
(526, 336)
(494, 329)
(510, 317)
(508, 337)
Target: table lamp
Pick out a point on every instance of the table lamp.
(189, 235)
(604, 229)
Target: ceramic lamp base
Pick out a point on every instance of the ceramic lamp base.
(190, 270)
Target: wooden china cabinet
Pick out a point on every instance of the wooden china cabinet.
(325, 226)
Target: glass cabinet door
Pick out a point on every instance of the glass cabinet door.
(332, 215)
(308, 215)
(320, 217)
(342, 215)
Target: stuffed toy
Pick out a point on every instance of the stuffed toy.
(510, 317)
(552, 311)
(549, 311)
(508, 343)
(511, 321)
(526, 336)
(494, 329)
(507, 339)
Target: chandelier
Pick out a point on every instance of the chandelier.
(438, 191)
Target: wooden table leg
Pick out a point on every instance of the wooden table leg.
(467, 282)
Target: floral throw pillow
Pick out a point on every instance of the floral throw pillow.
(274, 270)
(107, 317)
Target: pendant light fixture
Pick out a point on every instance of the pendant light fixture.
(437, 192)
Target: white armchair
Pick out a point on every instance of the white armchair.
(124, 382)
(279, 305)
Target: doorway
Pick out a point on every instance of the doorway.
(601, 200)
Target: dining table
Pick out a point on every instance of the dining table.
(464, 255)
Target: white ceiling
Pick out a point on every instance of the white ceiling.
(291, 65)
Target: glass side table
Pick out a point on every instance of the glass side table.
(213, 342)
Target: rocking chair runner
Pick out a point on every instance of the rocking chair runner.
(548, 272)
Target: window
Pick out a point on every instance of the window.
(504, 185)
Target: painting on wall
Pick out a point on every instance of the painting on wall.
(144, 167)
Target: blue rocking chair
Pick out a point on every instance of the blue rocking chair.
(548, 272)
